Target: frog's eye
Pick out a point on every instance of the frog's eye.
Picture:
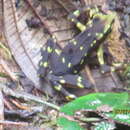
(95, 20)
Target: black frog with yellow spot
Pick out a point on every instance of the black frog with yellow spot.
(62, 66)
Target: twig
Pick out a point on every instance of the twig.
(6, 68)
(7, 104)
(20, 106)
(6, 50)
(1, 109)
(89, 119)
(22, 114)
(13, 123)
(116, 80)
(26, 96)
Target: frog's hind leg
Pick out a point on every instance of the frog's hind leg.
(74, 80)
(58, 87)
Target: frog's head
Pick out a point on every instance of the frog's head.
(107, 19)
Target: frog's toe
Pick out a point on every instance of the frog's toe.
(85, 83)
(88, 85)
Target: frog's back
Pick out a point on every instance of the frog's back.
(77, 49)
(86, 41)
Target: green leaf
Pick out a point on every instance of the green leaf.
(104, 126)
(93, 101)
(68, 125)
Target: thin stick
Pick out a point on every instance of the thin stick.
(6, 68)
(1, 109)
(26, 96)
(13, 123)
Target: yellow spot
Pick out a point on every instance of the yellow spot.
(57, 51)
(81, 48)
(93, 12)
(86, 54)
(100, 55)
(102, 71)
(81, 26)
(97, 34)
(91, 45)
(54, 38)
(82, 61)
(70, 97)
(107, 27)
(75, 71)
(76, 13)
(41, 63)
(74, 42)
(79, 79)
(61, 77)
(62, 81)
(45, 64)
(72, 20)
(58, 88)
(63, 60)
(69, 65)
(117, 64)
(49, 49)
(112, 69)
(100, 35)
(96, 9)
(80, 85)
(89, 23)
(94, 41)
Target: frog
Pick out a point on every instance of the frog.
(61, 66)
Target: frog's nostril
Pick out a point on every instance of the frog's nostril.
(70, 51)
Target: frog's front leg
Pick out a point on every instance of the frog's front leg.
(73, 80)
(58, 87)
(90, 9)
(46, 53)
(103, 66)
(73, 18)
